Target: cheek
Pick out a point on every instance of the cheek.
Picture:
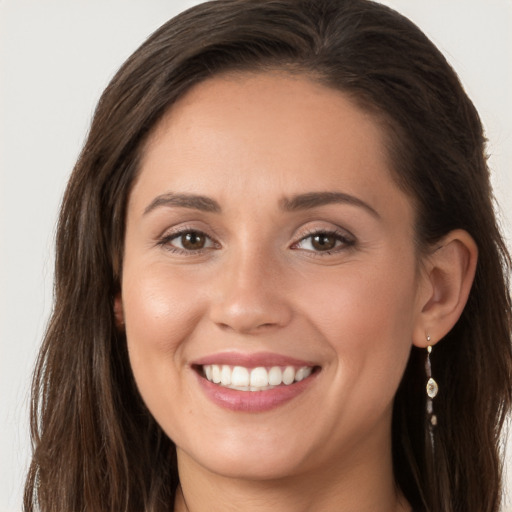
(367, 318)
(159, 312)
(160, 316)
(365, 300)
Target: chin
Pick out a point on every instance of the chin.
(248, 459)
(243, 468)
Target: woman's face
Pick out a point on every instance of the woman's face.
(268, 247)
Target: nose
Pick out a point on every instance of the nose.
(250, 295)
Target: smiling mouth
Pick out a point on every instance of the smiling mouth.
(261, 378)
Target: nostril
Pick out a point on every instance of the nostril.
(268, 324)
(246, 328)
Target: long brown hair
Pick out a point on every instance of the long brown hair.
(96, 446)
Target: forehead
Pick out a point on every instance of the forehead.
(263, 102)
(248, 132)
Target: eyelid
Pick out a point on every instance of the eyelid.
(347, 239)
(164, 240)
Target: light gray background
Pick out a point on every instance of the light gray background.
(56, 57)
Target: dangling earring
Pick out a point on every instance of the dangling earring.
(432, 390)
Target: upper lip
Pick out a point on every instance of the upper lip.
(265, 359)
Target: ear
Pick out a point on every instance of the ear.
(448, 275)
(119, 312)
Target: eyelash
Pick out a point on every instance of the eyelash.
(347, 241)
(166, 240)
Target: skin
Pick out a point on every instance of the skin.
(248, 142)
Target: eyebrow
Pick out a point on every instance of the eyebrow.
(314, 199)
(295, 203)
(193, 201)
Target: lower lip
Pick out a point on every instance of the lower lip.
(254, 401)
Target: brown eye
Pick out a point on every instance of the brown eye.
(187, 241)
(323, 242)
(193, 241)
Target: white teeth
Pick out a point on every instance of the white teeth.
(255, 379)
(275, 376)
(259, 377)
(239, 376)
(301, 374)
(215, 374)
(225, 375)
(288, 375)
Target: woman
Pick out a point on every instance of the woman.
(279, 279)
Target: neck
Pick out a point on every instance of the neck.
(364, 485)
